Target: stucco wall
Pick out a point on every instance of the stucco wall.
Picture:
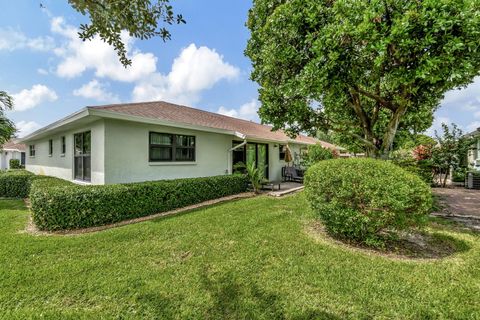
(61, 166)
(126, 154)
(120, 154)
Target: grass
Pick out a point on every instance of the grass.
(248, 259)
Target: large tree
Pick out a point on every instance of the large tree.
(365, 69)
(7, 128)
(142, 19)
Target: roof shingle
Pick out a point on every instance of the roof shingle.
(187, 115)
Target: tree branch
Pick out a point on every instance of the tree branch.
(387, 104)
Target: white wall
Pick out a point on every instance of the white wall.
(126, 154)
(61, 166)
(120, 152)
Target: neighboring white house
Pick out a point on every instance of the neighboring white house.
(153, 141)
(11, 150)
(474, 152)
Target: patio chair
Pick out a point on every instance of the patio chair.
(291, 174)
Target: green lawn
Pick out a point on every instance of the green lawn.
(246, 259)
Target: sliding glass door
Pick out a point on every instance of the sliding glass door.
(82, 162)
(256, 153)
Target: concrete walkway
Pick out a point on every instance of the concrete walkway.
(461, 205)
(286, 188)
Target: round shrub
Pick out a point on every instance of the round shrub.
(361, 199)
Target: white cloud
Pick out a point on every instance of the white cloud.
(467, 98)
(78, 56)
(247, 111)
(194, 70)
(96, 90)
(11, 40)
(42, 71)
(26, 127)
(29, 98)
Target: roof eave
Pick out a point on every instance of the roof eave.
(69, 119)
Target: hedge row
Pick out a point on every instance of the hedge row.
(15, 183)
(58, 205)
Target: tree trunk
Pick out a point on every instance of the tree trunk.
(392, 127)
(447, 171)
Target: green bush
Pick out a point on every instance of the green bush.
(459, 175)
(15, 164)
(405, 160)
(362, 199)
(57, 206)
(15, 183)
(316, 153)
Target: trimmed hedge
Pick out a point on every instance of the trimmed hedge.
(15, 164)
(15, 183)
(360, 199)
(59, 206)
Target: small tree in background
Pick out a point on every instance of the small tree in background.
(450, 151)
(316, 153)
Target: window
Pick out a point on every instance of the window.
(31, 149)
(50, 147)
(64, 146)
(171, 147)
(282, 149)
(82, 168)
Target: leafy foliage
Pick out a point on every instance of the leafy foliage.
(15, 183)
(323, 66)
(450, 152)
(140, 18)
(316, 153)
(15, 164)
(359, 199)
(255, 175)
(409, 161)
(7, 127)
(57, 205)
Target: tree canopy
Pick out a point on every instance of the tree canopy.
(140, 18)
(7, 128)
(364, 69)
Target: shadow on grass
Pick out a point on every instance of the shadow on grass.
(415, 244)
(233, 298)
(12, 204)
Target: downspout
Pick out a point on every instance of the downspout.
(244, 138)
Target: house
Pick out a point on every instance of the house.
(11, 150)
(155, 140)
(474, 153)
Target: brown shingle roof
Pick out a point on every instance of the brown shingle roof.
(12, 145)
(187, 115)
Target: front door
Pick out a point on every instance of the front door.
(82, 153)
(256, 153)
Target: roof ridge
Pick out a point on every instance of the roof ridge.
(191, 108)
(176, 105)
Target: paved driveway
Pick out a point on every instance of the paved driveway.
(460, 201)
(461, 205)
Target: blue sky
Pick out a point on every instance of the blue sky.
(51, 73)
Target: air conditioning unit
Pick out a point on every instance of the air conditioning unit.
(473, 181)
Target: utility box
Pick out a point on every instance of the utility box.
(473, 181)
